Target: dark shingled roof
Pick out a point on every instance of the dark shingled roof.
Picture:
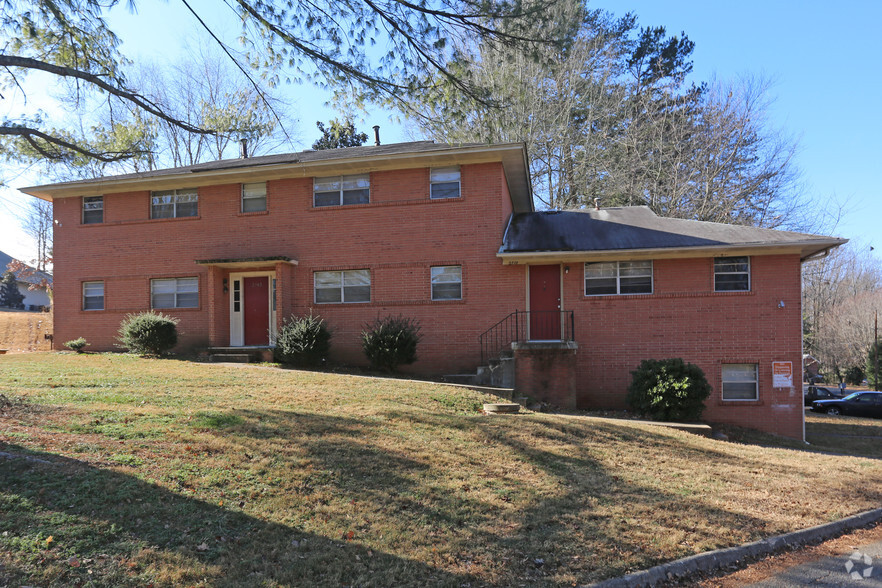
(636, 228)
(308, 156)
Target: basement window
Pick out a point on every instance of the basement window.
(740, 381)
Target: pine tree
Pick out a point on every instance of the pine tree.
(10, 296)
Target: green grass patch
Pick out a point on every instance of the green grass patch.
(258, 476)
(216, 420)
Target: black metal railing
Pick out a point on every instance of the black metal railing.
(527, 325)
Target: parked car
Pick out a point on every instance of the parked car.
(866, 404)
(812, 393)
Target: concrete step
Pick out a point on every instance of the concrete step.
(229, 358)
(506, 393)
(460, 378)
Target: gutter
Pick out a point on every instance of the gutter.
(514, 258)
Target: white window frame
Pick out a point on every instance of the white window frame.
(754, 381)
(719, 273)
(178, 283)
(342, 286)
(92, 200)
(440, 272)
(619, 277)
(433, 181)
(341, 190)
(253, 192)
(87, 295)
(176, 195)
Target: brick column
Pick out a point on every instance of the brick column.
(217, 303)
(546, 372)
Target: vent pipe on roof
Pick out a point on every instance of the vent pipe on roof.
(597, 204)
(377, 135)
(243, 148)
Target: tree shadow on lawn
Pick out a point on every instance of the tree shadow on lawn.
(545, 518)
(158, 537)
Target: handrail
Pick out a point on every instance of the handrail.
(527, 325)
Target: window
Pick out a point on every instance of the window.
(447, 282)
(254, 197)
(93, 210)
(93, 295)
(732, 274)
(338, 190)
(174, 293)
(346, 286)
(444, 182)
(740, 381)
(173, 204)
(618, 277)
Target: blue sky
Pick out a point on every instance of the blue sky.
(822, 57)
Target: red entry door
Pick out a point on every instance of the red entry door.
(256, 311)
(545, 302)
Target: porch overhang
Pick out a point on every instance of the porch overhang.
(249, 262)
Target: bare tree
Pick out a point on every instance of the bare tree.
(840, 292)
(38, 225)
(330, 43)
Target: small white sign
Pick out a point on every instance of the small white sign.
(782, 374)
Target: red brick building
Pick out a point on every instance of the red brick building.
(447, 235)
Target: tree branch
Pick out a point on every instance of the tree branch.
(30, 135)
(69, 72)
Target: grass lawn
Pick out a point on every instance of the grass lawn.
(120, 471)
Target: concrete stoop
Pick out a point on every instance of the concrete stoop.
(498, 377)
(239, 354)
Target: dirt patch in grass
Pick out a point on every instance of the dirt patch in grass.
(21, 332)
(166, 472)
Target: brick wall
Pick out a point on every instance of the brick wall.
(398, 236)
(685, 318)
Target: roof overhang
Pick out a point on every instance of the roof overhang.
(513, 157)
(805, 249)
(249, 262)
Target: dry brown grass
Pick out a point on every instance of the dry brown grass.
(183, 473)
(21, 332)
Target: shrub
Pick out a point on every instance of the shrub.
(304, 340)
(668, 390)
(76, 344)
(390, 342)
(148, 333)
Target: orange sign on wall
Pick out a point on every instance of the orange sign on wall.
(782, 374)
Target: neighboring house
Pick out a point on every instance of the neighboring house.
(446, 235)
(35, 298)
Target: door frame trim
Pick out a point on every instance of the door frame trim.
(237, 319)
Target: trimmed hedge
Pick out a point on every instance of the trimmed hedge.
(148, 333)
(304, 340)
(668, 390)
(390, 342)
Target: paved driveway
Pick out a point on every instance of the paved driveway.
(862, 568)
